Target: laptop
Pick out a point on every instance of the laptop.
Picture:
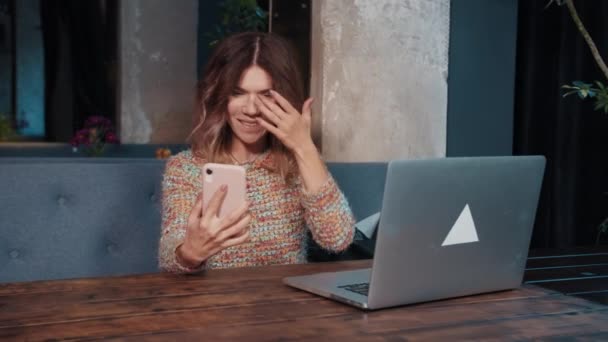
(449, 227)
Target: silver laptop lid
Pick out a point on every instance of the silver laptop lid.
(453, 227)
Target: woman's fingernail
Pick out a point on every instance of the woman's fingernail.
(224, 187)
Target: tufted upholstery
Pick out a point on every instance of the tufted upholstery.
(65, 150)
(79, 217)
(76, 218)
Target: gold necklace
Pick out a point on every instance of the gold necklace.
(251, 160)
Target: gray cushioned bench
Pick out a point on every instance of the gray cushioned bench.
(81, 217)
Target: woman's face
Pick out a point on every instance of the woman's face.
(242, 110)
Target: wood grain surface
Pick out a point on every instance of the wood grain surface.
(254, 304)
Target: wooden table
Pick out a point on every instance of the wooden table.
(581, 272)
(253, 304)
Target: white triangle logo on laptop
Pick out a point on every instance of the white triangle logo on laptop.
(463, 231)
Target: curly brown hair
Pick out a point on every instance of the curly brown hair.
(211, 136)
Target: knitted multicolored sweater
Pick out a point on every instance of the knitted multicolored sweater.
(280, 214)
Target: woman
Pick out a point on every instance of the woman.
(247, 114)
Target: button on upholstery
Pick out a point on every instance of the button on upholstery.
(111, 248)
(61, 200)
(14, 254)
(153, 197)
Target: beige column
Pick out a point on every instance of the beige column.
(158, 41)
(379, 77)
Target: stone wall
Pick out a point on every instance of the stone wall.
(158, 44)
(379, 78)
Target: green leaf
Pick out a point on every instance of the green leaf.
(237, 16)
(570, 93)
(584, 90)
(251, 4)
(603, 227)
(260, 13)
(598, 106)
(582, 93)
(601, 105)
(581, 84)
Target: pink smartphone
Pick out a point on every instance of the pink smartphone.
(214, 176)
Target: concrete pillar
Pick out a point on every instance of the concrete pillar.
(379, 77)
(158, 43)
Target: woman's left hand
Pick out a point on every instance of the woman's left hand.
(281, 119)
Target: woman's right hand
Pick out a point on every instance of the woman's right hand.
(207, 234)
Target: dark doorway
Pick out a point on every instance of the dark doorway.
(81, 64)
(550, 53)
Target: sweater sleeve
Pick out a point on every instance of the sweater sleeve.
(179, 192)
(329, 216)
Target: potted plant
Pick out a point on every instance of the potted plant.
(9, 128)
(97, 132)
(596, 91)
